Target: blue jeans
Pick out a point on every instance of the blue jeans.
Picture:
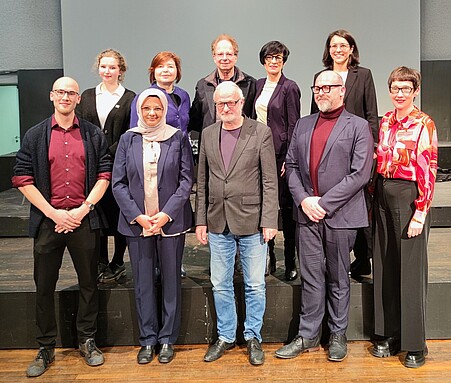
(253, 259)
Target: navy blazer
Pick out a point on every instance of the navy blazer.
(284, 109)
(343, 171)
(175, 179)
(360, 97)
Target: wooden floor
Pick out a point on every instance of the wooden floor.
(188, 366)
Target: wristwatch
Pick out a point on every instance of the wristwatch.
(89, 205)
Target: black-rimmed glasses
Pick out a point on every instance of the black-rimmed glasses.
(325, 88)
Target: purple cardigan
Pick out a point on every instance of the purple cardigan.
(178, 117)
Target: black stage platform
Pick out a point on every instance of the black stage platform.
(117, 320)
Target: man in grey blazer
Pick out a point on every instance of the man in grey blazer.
(237, 204)
(328, 164)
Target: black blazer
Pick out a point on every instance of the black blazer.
(360, 97)
(118, 120)
(284, 109)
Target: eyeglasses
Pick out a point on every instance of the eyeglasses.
(230, 104)
(270, 58)
(228, 55)
(324, 88)
(61, 92)
(343, 47)
(147, 110)
(405, 90)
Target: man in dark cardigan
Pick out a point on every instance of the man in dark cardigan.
(63, 168)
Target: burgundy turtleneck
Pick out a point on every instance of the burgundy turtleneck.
(321, 133)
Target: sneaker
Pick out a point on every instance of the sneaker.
(183, 272)
(42, 362)
(113, 273)
(92, 355)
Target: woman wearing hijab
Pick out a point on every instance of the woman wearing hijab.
(152, 180)
(108, 106)
(165, 71)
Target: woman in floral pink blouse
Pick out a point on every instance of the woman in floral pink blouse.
(407, 167)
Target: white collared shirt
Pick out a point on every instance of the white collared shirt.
(106, 101)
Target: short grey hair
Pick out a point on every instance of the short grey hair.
(228, 85)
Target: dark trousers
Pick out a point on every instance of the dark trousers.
(363, 245)
(111, 211)
(400, 265)
(324, 268)
(145, 252)
(286, 215)
(48, 249)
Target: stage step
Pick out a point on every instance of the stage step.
(117, 318)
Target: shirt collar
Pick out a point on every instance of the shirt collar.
(120, 90)
(75, 124)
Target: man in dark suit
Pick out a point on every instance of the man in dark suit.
(63, 168)
(328, 164)
(237, 202)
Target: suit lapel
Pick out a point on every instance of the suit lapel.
(308, 141)
(350, 82)
(336, 132)
(137, 150)
(216, 132)
(164, 147)
(247, 130)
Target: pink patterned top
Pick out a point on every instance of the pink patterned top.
(408, 150)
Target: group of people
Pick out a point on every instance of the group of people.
(110, 162)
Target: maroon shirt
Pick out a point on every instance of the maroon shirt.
(321, 133)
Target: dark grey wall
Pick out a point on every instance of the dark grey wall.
(30, 33)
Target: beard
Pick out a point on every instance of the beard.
(324, 106)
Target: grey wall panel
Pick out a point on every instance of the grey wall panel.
(142, 28)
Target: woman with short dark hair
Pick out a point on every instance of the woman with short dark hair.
(407, 168)
(278, 105)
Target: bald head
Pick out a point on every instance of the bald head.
(64, 82)
(330, 77)
(65, 96)
(331, 91)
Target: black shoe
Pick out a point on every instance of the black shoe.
(255, 352)
(101, 267)
(41, 363)
(166, 353)
(182, 272)
(113, 273)
(91, 354)
(415, 359)
(291, 275)
(360, 268)
(338, 348)
(270, 267)
(145, 354)
(215, 351)
(386, 347)
(298, 346)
